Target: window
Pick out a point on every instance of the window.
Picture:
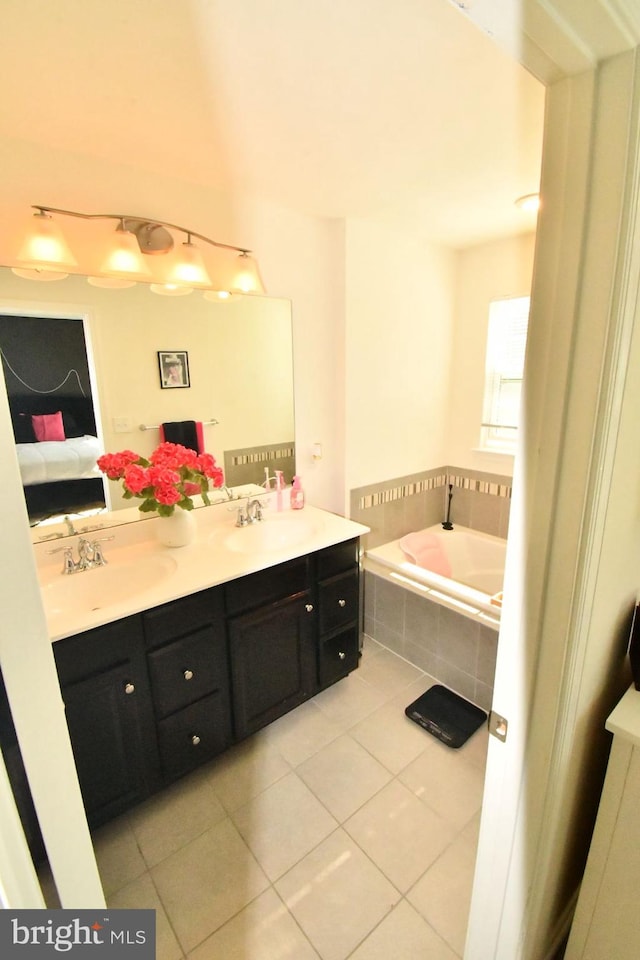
(504, 367)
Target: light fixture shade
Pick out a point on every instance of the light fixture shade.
(246, 276)
(189, 267)
(530, 202)
(220, 296)
(125, 257)
(45, 245)
(170, 289)
(38, 273)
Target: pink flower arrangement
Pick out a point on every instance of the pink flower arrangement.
(171, 476)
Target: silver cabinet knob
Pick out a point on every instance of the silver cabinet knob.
(342, 603)
(187, 674)
(342, 655)
(129, 687)
(308, 607)
(195, 739)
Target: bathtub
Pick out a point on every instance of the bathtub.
(466, 569)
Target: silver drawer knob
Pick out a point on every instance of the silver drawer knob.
(188, 674)
(342, 603)
(342, 655)
(195, 739)
(308, 607)
(129, 688)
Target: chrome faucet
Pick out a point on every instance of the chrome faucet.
(251, 512)
(89, 555)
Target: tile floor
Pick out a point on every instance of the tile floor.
(342, 830)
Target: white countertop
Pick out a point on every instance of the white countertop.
(141, 573)
(624, 721)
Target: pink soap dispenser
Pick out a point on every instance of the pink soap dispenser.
(297, 495)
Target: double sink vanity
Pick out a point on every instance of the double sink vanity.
(166, 656)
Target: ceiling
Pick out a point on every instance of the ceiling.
(400, 110)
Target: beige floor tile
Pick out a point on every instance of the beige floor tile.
(370, 647)
(475, 749)
(283, 824)
(175, 816)
(389, 673)
(207, 882)
(403, 935)
(265, 930)
(141, 894)
(301, 733)
(400, 834)
(446, 782)
(246, 770)
(117, 854)
(391, 737)
(337, 896)
(349, 701)
(443, 894)
(343, 775)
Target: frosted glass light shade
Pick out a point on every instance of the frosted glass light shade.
(125, 257)
(246, 276)
(45, 245)
(38, 273)
(170, 289)
(189, 267)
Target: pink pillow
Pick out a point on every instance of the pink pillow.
(48, 426)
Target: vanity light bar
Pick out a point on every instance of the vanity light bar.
(45, 249)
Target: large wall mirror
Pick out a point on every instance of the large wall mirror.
(240, 372)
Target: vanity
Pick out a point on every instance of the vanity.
(166, 657)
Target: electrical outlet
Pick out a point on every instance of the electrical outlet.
(122, 424)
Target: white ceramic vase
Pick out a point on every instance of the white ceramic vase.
(178, 530)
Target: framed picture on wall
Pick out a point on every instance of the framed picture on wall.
(174, 369)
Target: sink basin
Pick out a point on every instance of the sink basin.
(276, 532)
(102, 587)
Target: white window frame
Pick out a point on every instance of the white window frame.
(504, 368)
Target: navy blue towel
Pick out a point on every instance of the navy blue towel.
(182, 431)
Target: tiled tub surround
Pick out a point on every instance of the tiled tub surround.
(458, 651)
(400, 505)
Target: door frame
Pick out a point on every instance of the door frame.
(572, 552)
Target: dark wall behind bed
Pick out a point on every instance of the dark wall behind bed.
(42, 352)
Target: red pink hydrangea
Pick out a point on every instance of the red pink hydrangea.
(171, 476)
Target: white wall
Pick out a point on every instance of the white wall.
(399, 325)
(485, 272)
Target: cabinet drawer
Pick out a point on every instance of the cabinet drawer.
(187, 670)
(338, 656)
(337, 559)
(194, 734)
(267, 586)
(181, 617)
(338, 601)
(89, 654)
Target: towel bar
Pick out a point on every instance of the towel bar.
(156, 426)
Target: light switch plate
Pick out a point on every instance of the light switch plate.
(122, 424)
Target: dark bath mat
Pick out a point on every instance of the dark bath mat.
(447, 716)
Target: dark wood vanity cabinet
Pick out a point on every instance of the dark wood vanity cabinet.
(152, 696)
(338, 589)
(105, 689)
(189, 675)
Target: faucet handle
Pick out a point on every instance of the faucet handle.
(68, 563)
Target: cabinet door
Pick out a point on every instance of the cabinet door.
(273, 665)
(106, 719)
